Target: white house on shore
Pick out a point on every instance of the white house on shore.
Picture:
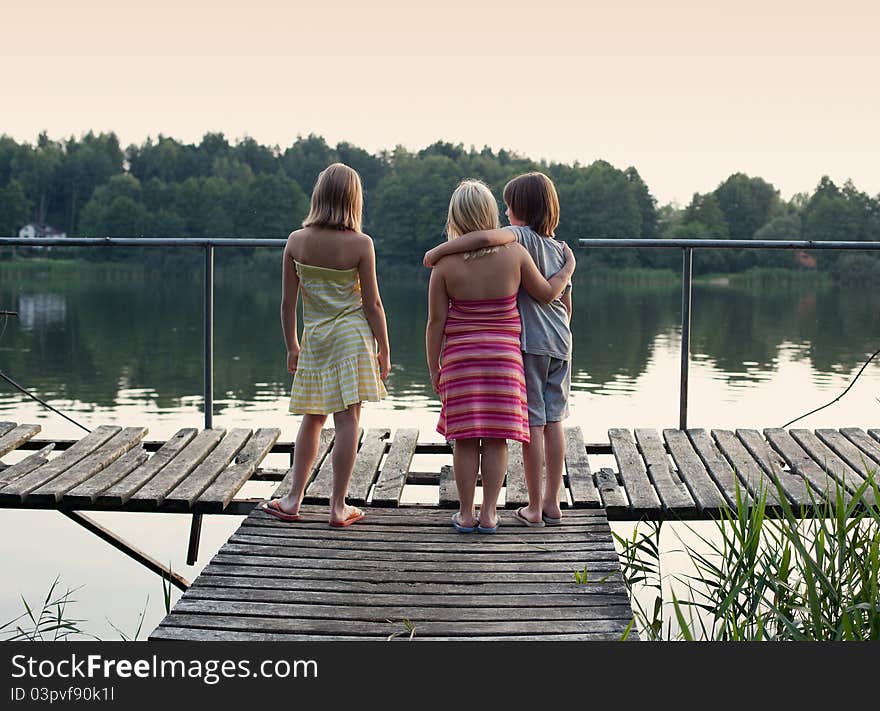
(34, 230)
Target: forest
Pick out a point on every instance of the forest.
(92, 186)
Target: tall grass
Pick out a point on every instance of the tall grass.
(808, 574)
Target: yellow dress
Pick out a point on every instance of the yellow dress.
(337, 364)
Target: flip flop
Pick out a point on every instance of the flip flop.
(272, 508)
(550, 521)
(489, 529)
(524, 521)
(460, 527)
(355, 516)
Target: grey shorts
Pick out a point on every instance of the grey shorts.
(548, 381)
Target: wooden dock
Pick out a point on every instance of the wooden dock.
(404, 572)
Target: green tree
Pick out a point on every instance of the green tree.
(15, 208)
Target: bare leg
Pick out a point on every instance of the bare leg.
(493, 464)
(343, 454)
(554, 448)
(465, 462)
(533, 464)
(303, 458)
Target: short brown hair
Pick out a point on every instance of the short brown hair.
(337, 200)
(532, 198)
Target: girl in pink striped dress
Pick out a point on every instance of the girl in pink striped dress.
(473, 319)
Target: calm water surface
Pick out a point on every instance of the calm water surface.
(105, 347)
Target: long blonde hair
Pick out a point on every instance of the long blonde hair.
(337, 199)
(472, 207)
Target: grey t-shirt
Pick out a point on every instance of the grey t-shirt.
(545, 329)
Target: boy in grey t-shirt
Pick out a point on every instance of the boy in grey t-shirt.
(533, 211)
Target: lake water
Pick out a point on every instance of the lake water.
(109, 347)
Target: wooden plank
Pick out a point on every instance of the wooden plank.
(875, 434)
(867, 445)
(802, 464)
(674, 495)
(516, 493)
(25, 466)
(830, 462)
(324, 444)
(169, 476)
(584, 493)
(755, 478)
(119, 469)
(392, 478)
(694, 475)
(188, 490)
(87, 467)
(448, 488)
(366, 466)
(320, 488)
(849, 453)
(108, 488)
(6, 427)
(17, 490)
(796, 488)
(218, 495)
(16, 437)
(720, 471)
(614, 499)
(642, 495)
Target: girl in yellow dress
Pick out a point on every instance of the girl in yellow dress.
(336, 367)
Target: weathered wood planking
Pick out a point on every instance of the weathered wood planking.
(174, 472)
(221, 491)
(187, 491)
(392, 478)
(17, 490)
(6, 427)
(16, 437)
(614, 499)
(516, 493)
(830, 462)
(802, 464)
(865, 444)
(108, 490)
(673, 493)
(25, 466)
(324, 443)
(321, 486)
(755, 478)
(448, 488)
(848, 452)
(694, 475)
(875, 434)
(796, 487)
(119, 469)
(87, 467)
(642, 496)
(720, 471)
(366, 466)
(584, 493)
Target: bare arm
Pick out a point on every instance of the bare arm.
(372, 304)
(533, 281)
(289, 297)
(438, 308)
(566, 301)
(468, 243)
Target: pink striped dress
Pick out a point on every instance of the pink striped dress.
(482, 382)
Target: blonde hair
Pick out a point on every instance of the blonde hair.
(472, 207)
(337, 199)
(532, 198)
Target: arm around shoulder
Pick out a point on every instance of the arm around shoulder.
(468, 243)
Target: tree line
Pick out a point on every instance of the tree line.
(92, 186)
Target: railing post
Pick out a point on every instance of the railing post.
(687, 265)
(195, 529)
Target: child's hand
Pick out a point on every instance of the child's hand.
(430, 258)
(384, 365)
(292, 360)
(435, 381)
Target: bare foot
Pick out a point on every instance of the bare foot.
(346, 516)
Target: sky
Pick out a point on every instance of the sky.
(687, 92)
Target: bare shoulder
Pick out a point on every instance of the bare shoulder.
(293, 240)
